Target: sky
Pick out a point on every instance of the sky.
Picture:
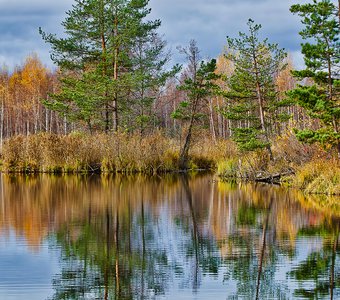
(209, 22)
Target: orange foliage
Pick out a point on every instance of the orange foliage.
(21, 95)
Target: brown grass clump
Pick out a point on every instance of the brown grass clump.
(50, 153)
(245, 165)
(128, 153)
(289, 153)
(122, 152)
(290, 156)
(12, 153)
(215, 155)
(319, 176)
(131, 153)
(117, 152)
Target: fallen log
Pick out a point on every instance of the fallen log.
(272, 178)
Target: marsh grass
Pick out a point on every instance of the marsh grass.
(319, 176)
(310, 167)
(106, 153)
(315, 171)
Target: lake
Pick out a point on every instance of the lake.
(164, 237)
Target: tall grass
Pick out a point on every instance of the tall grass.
(319, 176)
(119, 152)
(244, 165)
(289, 156)
(129, 153)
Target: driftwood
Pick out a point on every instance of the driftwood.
(272, 178)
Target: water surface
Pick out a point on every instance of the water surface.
(169, 237)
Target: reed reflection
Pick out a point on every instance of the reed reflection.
(139, 238)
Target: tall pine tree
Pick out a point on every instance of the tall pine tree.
(97, 59)
(252, 97)
(322, 59)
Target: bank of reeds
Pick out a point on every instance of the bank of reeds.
(301, 166)
(306, 167)
(119, 152)
(288, 155)
(319, 176)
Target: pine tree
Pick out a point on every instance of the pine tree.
(97, 59)
(149, 75)
(322, 59)
(198, 85)
(252, 96)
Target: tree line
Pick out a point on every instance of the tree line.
(114, 74)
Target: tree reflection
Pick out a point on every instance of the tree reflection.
(254, 253)
(320, 266)
(263, 248)
(111, 255)
(201, 247)
(141, 238)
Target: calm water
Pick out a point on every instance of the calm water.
(170, 237)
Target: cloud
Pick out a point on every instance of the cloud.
(27, 7)
(19, 25)
(209, 22)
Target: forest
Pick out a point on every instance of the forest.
(116, 103)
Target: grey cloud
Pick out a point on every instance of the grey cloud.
(19, 24)
(209, 22)
(24, 6)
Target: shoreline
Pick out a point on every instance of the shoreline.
(295, 165)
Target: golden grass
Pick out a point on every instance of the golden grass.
(244, 165)
(316, 172)
(319, 176)
(130, 153)
(228, 168)
(117, 152)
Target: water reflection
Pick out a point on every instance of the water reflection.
(175, 237)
